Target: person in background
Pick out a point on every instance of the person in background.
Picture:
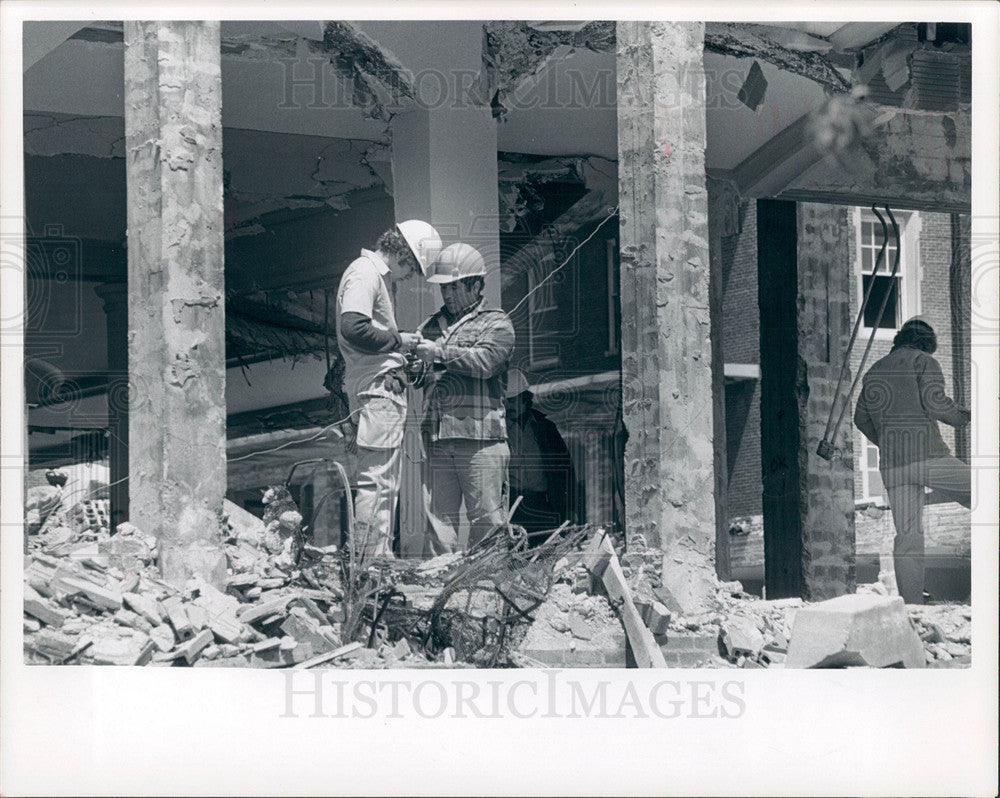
(902, 400)
(541, 470)
(374, 352)
(467, 346)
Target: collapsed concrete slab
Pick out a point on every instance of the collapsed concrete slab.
(854, 630)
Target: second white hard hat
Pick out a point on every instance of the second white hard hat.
(457, 262)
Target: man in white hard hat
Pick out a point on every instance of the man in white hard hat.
(374, 352)
(541, 469)
(468, 345)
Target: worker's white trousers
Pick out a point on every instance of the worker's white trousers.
(380, 438)
(905, 488)
(457, 470)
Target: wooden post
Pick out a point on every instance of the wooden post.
(177, 410)
(961, 323)
(666, 354)
(808, 502)
(115, 296)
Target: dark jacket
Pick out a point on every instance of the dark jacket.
(555, 465)
(465, 392)
(902, 400)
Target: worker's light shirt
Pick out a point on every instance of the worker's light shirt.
(363, 289)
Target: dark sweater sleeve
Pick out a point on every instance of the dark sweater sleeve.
(357, 329)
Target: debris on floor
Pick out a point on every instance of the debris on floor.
(91, 597)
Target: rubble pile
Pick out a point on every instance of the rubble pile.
(91, 597)
(946, 632)
(95, 598)
(573, 620)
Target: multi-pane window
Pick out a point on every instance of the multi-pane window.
(543, 347)
(871, 238)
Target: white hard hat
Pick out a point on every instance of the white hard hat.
(517, 383)
(423, 240)
(456, 263)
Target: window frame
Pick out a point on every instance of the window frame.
(910, 224)
(533, 278)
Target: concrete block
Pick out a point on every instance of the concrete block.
(855, 630)
(741, 636)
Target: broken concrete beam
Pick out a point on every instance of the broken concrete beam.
(37, 607)
(854, 630)
(51, 644)
(243, 580)
(275, 606)
(178, 617)
(104, 597)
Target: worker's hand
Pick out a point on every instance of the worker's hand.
(410, 340)
(427, 351)
(396, 381)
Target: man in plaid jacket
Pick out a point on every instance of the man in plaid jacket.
(467, 345)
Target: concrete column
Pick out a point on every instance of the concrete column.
(666, 353)
(177, 410)
(804, 290)
(444, 171)
(115, 296)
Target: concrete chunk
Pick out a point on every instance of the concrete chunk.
(742, 637)
(855, 630)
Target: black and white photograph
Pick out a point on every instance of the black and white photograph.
(422, 371)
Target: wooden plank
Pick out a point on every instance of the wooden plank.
(343, 651)
(647, 653)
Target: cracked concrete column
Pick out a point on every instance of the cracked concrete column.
(666, 353)
(177, 359)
